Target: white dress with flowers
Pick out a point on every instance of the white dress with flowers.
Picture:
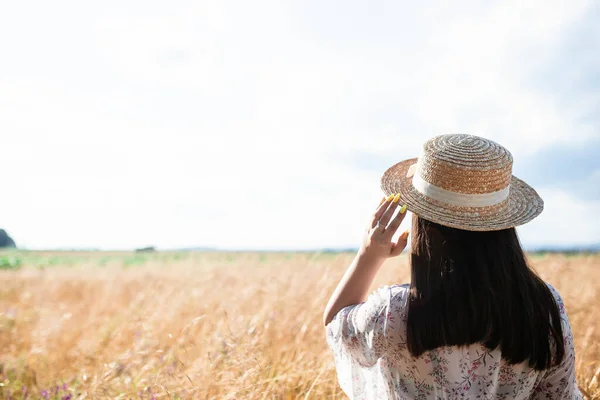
(368, 341)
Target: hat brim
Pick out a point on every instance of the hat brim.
(522, 205)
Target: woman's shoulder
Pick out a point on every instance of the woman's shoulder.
(391, 294)
(557, 298)
(399, 289)
(562, 311)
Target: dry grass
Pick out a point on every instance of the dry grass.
(212, 326)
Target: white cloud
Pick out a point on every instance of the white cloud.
(476, 77)
(562, 223)
(224, 125)
(163, 51)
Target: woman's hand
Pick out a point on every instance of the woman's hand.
(377, 246)
(377, 243)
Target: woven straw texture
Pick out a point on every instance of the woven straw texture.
(469, 165)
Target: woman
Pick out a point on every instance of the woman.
(475, 322)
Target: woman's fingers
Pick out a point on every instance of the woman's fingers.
(383, 205)
(396, 221)
(400, 245)
(389, 212)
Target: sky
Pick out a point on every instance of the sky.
(267, 124)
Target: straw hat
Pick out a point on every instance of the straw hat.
(464, 182)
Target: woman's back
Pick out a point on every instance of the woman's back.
(476, 321)
(372, 359)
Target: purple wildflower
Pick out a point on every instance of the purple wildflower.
(45, 394)
(67, 397)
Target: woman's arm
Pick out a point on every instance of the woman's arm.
(354, 286)
(376, 248)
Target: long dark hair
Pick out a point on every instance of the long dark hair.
(476, 287)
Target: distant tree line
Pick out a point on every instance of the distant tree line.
(5, 240)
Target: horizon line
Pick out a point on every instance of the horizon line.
(533, 248)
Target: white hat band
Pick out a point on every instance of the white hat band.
(459, 199)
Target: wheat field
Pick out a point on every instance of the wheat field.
(207, 325)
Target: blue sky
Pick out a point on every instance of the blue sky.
(267, 124)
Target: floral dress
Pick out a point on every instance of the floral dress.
(368, 341)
